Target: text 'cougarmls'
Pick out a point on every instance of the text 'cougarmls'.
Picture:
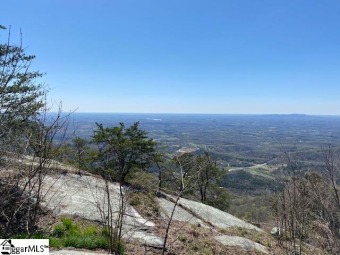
(24, 246)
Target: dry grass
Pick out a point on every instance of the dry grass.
(145, 203)
(190, 239)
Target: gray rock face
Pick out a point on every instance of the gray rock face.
(179, 215)
(241, 242)
(205, 213)
(147, 239)
(76, 195)
(85, 196)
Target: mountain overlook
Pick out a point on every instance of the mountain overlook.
(195, 228)
(82, 196)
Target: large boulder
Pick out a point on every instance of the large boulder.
(242, 242)
(180, 214)
(201, 213)
(85, 197)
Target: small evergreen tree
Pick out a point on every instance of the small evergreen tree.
(21, 97)
(121, 150)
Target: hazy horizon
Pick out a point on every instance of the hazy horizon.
(198, 113)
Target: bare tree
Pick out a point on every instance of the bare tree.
(307, 207)
(186, 182)
(26, 172)
(26, 139)
(332, 168)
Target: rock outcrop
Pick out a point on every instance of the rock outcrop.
(85, 197)
(198, 213)
(241, 242)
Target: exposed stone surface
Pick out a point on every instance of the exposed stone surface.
(207, 214)
(180, 214)
(147, 239)
(75, 195)
(241, 242)
(84, 196)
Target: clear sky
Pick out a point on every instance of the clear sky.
(190, 56)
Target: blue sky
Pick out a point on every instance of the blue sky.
(184, 56)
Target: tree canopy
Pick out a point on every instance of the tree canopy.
(21, 97)
(121, 149)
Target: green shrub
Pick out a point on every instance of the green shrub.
(55, 242)
(70, 234)
(76, 234)
(68, 223)
(182, 238)
(85, 242)
(119, 247)
(59, 230)
(90, 230)
(105, 232)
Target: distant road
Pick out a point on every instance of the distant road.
(242, 168)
